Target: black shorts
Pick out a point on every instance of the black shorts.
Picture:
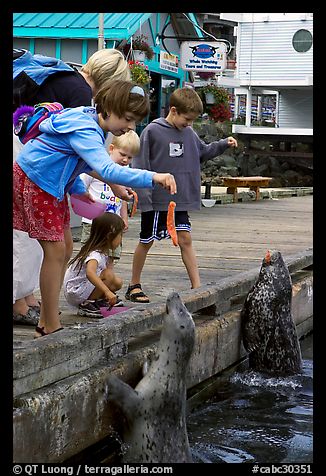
(153, 225)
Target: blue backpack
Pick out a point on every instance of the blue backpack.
(29, 72)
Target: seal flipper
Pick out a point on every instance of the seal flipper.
(123, 396)
(251, 322)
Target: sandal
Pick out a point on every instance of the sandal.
(135, 297)
(40, 330)
(31, 318)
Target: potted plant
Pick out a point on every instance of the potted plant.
(139, 72)
(219, 108)
(213, 94)
(140, 44)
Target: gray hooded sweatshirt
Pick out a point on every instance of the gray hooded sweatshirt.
(164, 148)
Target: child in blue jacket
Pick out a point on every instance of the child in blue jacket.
(73, 142)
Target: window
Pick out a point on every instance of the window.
(302, 41)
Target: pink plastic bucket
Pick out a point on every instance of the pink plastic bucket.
(85, 208)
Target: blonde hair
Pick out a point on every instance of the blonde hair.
(117, 97)
(186, 100)
(129, 141)
(105, 65)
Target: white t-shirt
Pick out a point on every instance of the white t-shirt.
(101, 192)
(77, 287)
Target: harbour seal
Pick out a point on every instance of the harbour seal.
(268, 329)
(155, 410)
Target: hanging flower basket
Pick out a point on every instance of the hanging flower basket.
(140, 42)
(210, 99)
(139, 55)
(218, 107)
(139, 72)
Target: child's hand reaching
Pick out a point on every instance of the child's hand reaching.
(232, 142)
(111, 297)
(167, 181)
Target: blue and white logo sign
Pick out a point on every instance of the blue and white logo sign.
(203, 51)
(203, 56)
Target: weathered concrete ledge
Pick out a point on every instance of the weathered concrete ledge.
(41, 362)
(55, 422)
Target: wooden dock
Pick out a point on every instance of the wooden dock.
(59, 381)
(228, 238)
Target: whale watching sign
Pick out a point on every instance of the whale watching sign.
(203, 56)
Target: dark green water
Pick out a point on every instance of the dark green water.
(254, 419)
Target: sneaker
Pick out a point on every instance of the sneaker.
(119, 302)
(104, 303)
(90, 308)
(31, 318)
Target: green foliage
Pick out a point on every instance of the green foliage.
(140, 42)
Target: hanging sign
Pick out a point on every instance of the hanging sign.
(168, 62)
(203, 56)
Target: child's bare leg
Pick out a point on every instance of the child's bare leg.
(138, 261)
(69, 246)
(189, 257)
(20, 306)
(112, 281)
(50, 283)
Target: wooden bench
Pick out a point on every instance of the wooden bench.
(252, 182)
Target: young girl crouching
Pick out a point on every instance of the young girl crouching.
(89, 281)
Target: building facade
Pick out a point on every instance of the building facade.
(274, 56)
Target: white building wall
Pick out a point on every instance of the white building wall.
(265, 51)
(295, 108)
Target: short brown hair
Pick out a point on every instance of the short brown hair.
(117, 97)
(186, 100)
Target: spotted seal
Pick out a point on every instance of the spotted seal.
(268, 329)
(155, 410)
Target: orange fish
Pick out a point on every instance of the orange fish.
(170, 223)
(134, 205)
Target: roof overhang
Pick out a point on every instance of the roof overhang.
(29, 26)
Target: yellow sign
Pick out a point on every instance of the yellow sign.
(168, 62)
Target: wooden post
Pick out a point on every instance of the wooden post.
(100, 43)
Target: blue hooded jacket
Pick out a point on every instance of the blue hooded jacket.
(71, 143)
(38, 67)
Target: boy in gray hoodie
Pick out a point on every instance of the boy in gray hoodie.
(171, 145)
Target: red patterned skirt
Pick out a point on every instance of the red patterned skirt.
(37, 212)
